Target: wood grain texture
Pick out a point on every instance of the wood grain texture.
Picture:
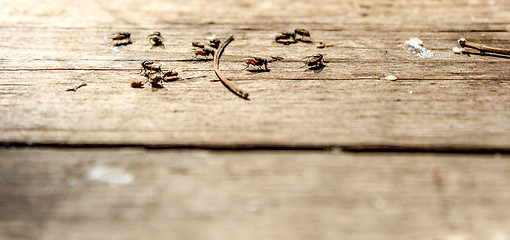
(51, 194)
(468, 113)
(449, 101)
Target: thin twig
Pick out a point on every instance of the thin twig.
(76, 88)
(237, 91)
(482, 48)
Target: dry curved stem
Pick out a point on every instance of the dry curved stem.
(237, 91)
(482, 48)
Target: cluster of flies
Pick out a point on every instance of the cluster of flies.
(156, 75)
(124, 38)
(299, 35)
(205, 50)
(214, 43)
(315, 62)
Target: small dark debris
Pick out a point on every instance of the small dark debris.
(76, 88)
(137, 84)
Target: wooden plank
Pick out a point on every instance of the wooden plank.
(297, 112)
(414, 13)
(162, 194)
(449, 101)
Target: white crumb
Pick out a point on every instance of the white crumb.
(415, 45)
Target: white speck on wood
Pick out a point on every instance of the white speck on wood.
(458, 50)
(109, 175)
(389, 78)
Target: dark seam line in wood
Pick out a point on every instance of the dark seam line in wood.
(89, 69)
(66, 69)
(471, 30)
(237, 91)
(377, 79)
(281, 147)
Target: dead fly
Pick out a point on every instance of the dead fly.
(152, 71)
(204, 52)
(171, 73)
(304, 35)
(315, 62)
(137, 84)
(170, 76)
(256, 61)
(122, 38)
(148, 67)
(214, 42)
(156, 40)
(197, 45)
(261, 62)
(155, 79)
(285, 38)
(155, 74)
(274, 59)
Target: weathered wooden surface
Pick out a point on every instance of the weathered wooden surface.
(322, 112)
(450, 101)
(54, 194)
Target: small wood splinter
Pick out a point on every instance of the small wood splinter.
(482, 48)
(76, 88)
(237, 91)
